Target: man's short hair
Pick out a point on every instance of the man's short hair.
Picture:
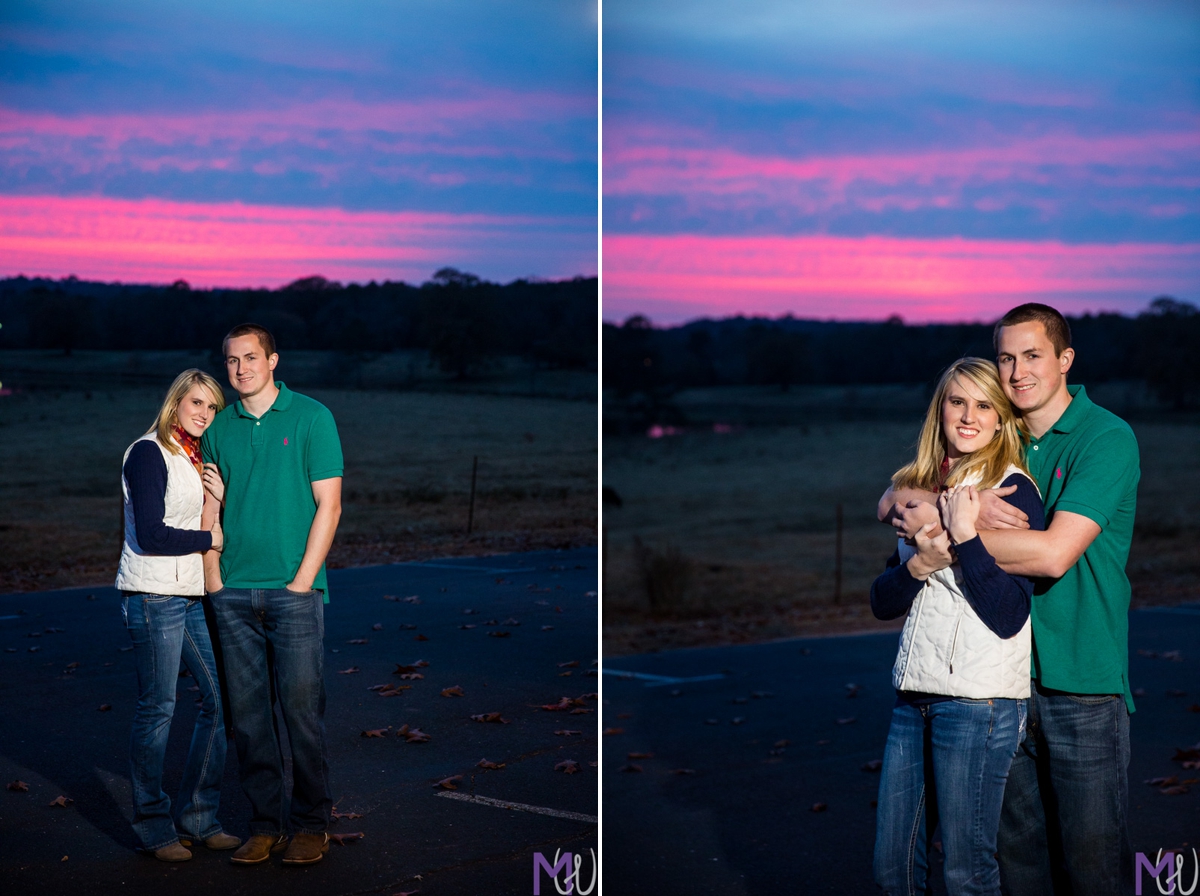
(1055, 325)
(265, 339)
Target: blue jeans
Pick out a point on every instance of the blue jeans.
(946, 762)
(272, 641)
(1064, 828)
(164, 630)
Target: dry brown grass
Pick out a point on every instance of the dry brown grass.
(408, 474)
(750, 516)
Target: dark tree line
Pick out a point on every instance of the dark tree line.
(463, 321)
(1160, 346)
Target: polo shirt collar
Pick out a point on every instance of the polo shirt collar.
(282, 402)
(1075, 412)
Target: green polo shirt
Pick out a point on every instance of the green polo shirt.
(1086, 463)
(268, 464)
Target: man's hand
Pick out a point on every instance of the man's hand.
(960, 509)
(933, 552)
(996, 513)
(218, 536)
(297, 587)
(910, 518)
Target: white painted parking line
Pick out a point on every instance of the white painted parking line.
(519, 807)
(657, 681)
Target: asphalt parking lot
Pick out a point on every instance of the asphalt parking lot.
(745, 770)
(415, 836)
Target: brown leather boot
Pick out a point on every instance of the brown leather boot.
(173, 852)
(306, 849)
(259, 848)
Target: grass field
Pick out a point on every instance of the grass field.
(737, 526)
(408, 475)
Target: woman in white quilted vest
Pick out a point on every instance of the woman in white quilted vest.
(962, 671)
(162, 579)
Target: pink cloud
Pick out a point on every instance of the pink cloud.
(233, 244)
(675, 278)
(658, 161)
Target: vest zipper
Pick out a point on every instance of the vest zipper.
(954, 644)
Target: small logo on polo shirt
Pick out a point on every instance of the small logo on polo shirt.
(1057, 470)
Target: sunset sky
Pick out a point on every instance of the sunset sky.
(255, 143)
(937, 160)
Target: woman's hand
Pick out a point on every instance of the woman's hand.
(933, 552)
(213, 482)
(909, 520)
(218, 536)
(960, 510)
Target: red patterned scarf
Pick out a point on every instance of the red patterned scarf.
(945, 472)
(191, 446)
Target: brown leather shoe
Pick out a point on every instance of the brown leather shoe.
(221, 840)
(259, 848)
(306, 849)
(173, 852)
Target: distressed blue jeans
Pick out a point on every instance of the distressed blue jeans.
(272, 640)
(1064, 828)
(945, 762)
(166, 629)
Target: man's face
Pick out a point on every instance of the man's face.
(249, 367)
(1029, 370)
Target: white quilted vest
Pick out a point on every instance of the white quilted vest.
(945, 648)
(184, 500)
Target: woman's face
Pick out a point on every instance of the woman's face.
(969, 419)
(196, 410)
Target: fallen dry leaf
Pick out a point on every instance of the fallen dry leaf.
(450, 783)
(1194, 763)
(349, 671)
(420, 638)
(412, 735)
(377, 627)
(631, 768)
(483, 763)
(737, 720)
(490, 717)
(390, 690)
(566, 674)
(62, 801)
(1175, 692)
(624, 715)
(377, 732)
(849, 720)
(411, 676)
(822, 743)
(357, 641)
(682, 771)
(72, 666)
(569, 665)
(411, 599)
(567, 766)
(390, 597)
(343, 839)
(818, 807)
(564, 704)
(608, 731)
(407, 626)
(547, 628)
(335, 815)
(1161, 782)
(579, 712)
(469, 626)
(1184, 753)
(407, 893)
(639, 755)
(1177, 790)
(499, 634)
(18, 786)
(563, 732)
(104, 707)
(455, 691)
(510, 621)
(780, 744)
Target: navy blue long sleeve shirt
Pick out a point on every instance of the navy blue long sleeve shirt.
(1000, 600)
(146, 472)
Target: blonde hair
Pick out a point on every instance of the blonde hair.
(167, 413)
(991, 461)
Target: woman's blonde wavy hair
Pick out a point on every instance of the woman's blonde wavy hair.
(991, 461)
(166, 414)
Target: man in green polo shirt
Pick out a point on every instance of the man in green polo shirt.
(1064, 824)
(279, 458)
